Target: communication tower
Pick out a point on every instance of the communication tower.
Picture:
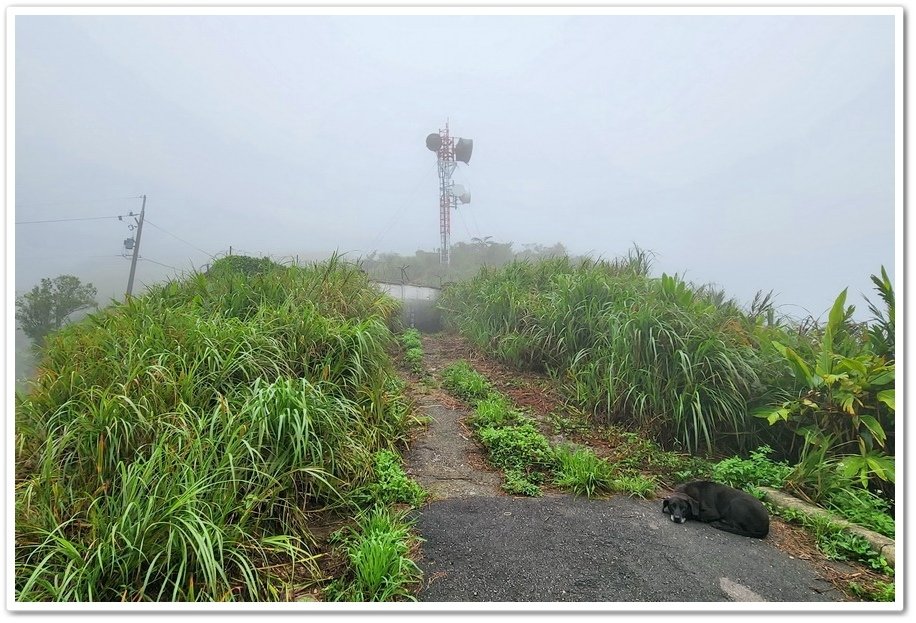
(449, 152)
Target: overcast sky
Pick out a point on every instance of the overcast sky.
(752, 152)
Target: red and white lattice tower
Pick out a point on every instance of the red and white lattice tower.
(448, 153)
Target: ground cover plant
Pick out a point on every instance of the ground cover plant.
(413, 350)
(516, 445)
(179, 445)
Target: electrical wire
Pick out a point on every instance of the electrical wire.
(74, 203)
(63, 220)
(210, 255)
(155, 262)
(381, 235)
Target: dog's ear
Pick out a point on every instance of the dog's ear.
(694, 507)
(665, 504)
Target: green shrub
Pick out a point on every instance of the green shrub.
(518, 482)
(390, 484)
(757, 470)
(521, 447)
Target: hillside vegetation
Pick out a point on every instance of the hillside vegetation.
(177, 446)
(692, 368)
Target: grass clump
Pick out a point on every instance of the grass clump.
(579, 470)
(465, 382)
(495, 411)
(636, 485)
(835, 541)
(377, 551)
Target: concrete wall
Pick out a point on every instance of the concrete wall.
(419, 309)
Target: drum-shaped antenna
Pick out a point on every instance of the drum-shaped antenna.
(464, 197)
(433, 142)
(463, 150)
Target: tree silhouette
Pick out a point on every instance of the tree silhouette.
(46, 307)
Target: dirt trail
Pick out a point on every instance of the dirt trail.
(481, 544)
(445, 459)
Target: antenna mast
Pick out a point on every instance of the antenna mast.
(448, 153)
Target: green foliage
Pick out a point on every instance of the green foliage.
(242, 265)
(390, 485)
(635, 485)
(846, 409)
(835, 541)
(377, 551)
(579, 470)
(174, 447)
(881, 333)
(519, 482)
(757, 470)
(637, 453)
(677, 359)
(414, 357)
(495, 411)
(465, 382)
(520, 447)
(864, 508)
(878, 591)
(46, 307)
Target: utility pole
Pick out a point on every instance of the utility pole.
(133, 263)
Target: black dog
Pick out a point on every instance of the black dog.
(725, 508)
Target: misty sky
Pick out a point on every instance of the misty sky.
(752, 152)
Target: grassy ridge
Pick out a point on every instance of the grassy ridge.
(174, 446)
(678, 359)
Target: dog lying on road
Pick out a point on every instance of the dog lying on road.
(722, 506)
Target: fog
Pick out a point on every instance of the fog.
(753, 152)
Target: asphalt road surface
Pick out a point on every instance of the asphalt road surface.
(562, 548)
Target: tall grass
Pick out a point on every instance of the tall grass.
(175, 446)
(678, 360)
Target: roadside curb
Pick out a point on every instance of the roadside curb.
(880, 543)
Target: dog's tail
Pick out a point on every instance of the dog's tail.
(758, 532)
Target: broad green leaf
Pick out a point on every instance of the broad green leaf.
(882, 376)
(776, 415)
(875, 427)
(887, 397)
(802, 370)
(837, 312)
(851, 465)
(852, 365)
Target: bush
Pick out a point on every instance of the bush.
(755, 471)
(391, 485)
(521, 447)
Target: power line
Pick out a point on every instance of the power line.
(62, 220)
(404, 204)
(146, 259)
(73, 203)
(210, 255)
